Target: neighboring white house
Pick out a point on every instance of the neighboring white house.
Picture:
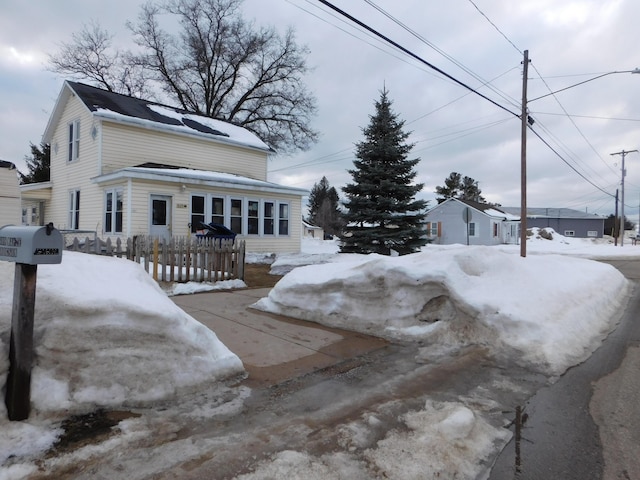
(312, 231)
(9, 194)
(471, 223)
(122, 166)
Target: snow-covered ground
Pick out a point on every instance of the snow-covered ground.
(108, 336)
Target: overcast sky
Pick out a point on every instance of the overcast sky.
(453, 130)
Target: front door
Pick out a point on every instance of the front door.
(160, 217)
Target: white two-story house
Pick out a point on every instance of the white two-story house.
(123, 166)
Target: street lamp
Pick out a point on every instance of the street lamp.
(525, 119)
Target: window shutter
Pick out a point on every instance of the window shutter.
(439, 229)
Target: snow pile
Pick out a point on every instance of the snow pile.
(415, 452)
(552, 310)
(470, 442)
(189, 288)
(106, 335)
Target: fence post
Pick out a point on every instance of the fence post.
(155, 259)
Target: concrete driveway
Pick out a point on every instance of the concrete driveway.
(273, 348)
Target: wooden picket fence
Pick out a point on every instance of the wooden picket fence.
(182, 259)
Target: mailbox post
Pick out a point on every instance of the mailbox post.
(27, 247)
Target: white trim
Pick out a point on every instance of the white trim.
(35, 186)
(199, 177)
(129, 206)
(227, 199)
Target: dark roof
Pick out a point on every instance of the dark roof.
(5, 164)
(480, 206)
(551, 212)
(96, 98)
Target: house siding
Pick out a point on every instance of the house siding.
(138, 221)
(67, 176)
(107, 147)
(10, 211)
(127, 146)
(453, 229)
(580, 226)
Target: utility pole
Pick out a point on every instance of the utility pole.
(615, 229)
(623, 154)
(523, 158)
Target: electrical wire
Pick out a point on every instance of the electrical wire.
(496, 27)
(566, 162)
(404, 26)
(572, 120)
(588, 116)
(413, 55)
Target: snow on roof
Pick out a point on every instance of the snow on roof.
(136, 111)
(5, 164)
(192, 121)
(493, 212)
(198, 176)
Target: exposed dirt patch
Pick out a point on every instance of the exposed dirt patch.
(256, 275)
(90, 428)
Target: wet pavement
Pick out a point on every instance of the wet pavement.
(273, 348)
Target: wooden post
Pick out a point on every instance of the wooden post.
(18, 393)
(155, 259)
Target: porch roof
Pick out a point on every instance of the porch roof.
(192, 177)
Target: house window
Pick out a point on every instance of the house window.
(74, 141)
(236, 216)
(197, 212)
(432, 229)
(268, 218)
(592, 233)
(569, 233)
(217, 210)
(253, 211)
(472, 229)
(74, 209)
(283, 219)
(113, 212)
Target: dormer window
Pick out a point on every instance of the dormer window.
(74, 140)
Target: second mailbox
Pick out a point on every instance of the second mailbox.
(31, 245)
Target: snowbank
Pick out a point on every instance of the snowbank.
(552, 310)
(414, 452)
(106, 335)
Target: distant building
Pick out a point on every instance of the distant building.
(565, 221)
(312, 231)
(471, 223)
(9, 194)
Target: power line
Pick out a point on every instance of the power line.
(571, 119)
(568, 164)
(443, 53)
(413, 55)
(588, 116)
(496, 27)
(568, 152)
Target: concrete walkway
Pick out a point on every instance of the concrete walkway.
(273, 348)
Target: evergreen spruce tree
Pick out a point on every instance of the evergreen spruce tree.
(38, 164)
(382, 213)
(457, 186)
(323, 207)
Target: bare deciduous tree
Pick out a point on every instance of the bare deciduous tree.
(218, 64)
(91, 56)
